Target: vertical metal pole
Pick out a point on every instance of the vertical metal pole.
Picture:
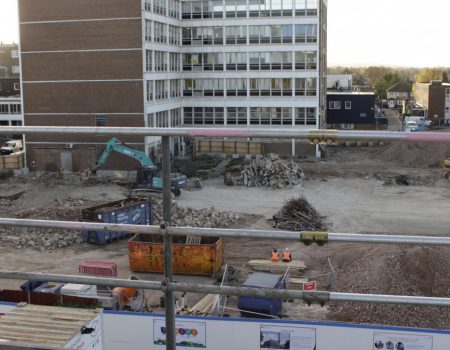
(170, 300)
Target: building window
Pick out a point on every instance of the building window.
(306, 33)
(148, 30)
(334, 104)
(348, 104)
(347, 126)
(149, 93)
(148, 61)
(15, 108)
(4, 109)
(100, 120)
(16, 69)
(14, 54)
(306, 87)
(16, 86)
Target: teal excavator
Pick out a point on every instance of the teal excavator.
(148, 175)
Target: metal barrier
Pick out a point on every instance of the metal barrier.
(166, 231)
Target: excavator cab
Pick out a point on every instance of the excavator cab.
(150, 177)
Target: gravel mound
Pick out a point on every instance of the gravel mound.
(394, 270)
(415, 154)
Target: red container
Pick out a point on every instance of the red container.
(98, 268)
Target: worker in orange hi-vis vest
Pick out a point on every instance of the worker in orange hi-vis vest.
(275, 255)
(287, 257)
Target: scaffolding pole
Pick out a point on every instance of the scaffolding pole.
(320, 297)
(306, 237)
(319, 135)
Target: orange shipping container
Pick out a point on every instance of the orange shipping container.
(145, 254)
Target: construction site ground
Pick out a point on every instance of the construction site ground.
(359, 190)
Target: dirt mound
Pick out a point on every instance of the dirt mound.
(394, 270)
(298, 215)
(415, 154)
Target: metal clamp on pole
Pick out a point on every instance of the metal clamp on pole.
(320, 298)
(309, 237)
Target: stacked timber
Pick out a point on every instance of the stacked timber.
(271, 171)
(298, 215)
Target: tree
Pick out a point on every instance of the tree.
(385, 82)
(428, 74)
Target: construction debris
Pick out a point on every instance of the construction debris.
(70, 210)
(270, 171)
(298, 215)
(209, 217)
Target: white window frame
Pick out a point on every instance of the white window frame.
(16, 69)
(348, 104)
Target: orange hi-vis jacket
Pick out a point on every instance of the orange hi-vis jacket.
(275, 256)
(286, 256)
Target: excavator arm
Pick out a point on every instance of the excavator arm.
(114, 145)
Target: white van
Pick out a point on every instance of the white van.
(11, 146)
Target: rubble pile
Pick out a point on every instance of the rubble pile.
(196, 217)
(70, 210)
(43, 238)
(298, 215)
(270, 171)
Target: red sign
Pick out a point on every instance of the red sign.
(310, 286)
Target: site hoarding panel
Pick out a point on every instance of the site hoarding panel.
(137, 331)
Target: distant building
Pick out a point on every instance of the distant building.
(339, 82)
(435, 98)
(145, 63)
(353, 111)
(399, 94)
(9, 70)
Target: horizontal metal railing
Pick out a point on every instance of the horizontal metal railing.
(306, 237)
(322, 135)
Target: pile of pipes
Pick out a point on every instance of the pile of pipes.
(270, 171)
(298, 215)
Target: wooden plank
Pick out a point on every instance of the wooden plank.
(300, 281)
(270, 266)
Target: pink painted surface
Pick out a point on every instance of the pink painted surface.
(428, 137)
(220, 133)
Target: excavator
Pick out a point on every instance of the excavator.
(447, 168)
(148, 175)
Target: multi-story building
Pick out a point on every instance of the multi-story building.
(9, 70)
(435, 98)
(168, 63)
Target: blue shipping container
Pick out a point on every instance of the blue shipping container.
(265, 306)
(135, 211)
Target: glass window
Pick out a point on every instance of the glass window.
(348, 104)
(334, 104)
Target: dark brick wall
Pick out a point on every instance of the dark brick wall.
(118, 34)
(83, 65)
(47, 10)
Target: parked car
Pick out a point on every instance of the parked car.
(411, 126)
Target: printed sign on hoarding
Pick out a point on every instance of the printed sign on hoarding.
(291, 338)
(188, 334)
(393, 341)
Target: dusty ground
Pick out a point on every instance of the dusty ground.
(353, 188)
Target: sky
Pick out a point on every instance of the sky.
(411, 33)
